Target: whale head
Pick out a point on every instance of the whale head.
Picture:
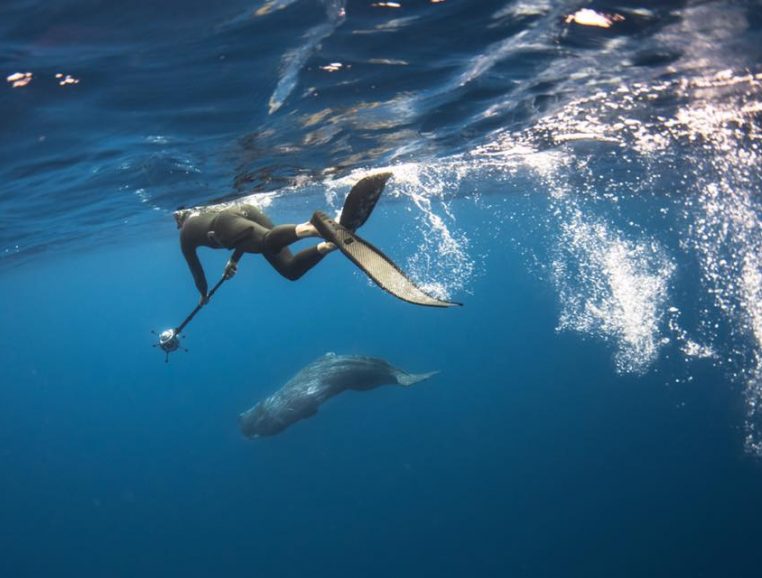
(259, 421)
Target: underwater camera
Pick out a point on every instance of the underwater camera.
(169, 342)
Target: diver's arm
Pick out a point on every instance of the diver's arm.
(231, 268)
(194, 264)
(237, 254)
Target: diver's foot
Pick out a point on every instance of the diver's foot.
(306, 230)
(322, 223)
(325, 247)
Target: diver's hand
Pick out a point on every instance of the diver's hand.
(230, 270)
(204, 300)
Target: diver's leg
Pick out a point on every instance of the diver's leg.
(282, 236)
(291, 266)
(306, 230)
(232, 230)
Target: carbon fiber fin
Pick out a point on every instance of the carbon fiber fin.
(362, 199)
(377, 266)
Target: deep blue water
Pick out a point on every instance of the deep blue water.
(585, 177)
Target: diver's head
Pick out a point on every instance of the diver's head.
(181, 215)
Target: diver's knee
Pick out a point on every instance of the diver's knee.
(292, 275)
(266, 241)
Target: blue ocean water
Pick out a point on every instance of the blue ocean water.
(583, 176)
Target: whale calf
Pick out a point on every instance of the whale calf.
(325, 377)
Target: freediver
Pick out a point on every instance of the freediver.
(245, 228)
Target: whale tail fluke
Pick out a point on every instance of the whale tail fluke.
(408, 379)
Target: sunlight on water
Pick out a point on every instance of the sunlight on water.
(295, 59)
(587, 17)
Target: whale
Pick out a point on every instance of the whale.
(317, 382)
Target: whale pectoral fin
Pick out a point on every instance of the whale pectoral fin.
(408, 379)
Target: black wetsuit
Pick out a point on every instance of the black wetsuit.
(245, 229)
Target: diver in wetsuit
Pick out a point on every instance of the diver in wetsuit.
(245, 229)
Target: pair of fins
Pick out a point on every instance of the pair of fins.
(378, 267)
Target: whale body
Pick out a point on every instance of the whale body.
(322, 379)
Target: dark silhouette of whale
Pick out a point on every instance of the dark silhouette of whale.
(325, 377)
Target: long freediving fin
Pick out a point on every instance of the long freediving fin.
(362, 199)
(377, 266)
